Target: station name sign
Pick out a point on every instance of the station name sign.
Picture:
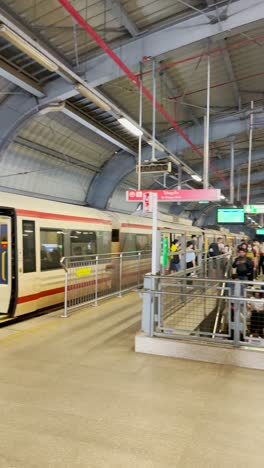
(176, 195)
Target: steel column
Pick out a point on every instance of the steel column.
(154, 94)
(232, 169)
(250, 152)
(140, 126)
(207, 127)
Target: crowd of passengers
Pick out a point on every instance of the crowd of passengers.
(247, 264)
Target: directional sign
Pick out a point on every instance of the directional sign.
(176, 195)
(254, 209)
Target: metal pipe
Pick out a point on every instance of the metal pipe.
(238, 184)
(250, 152)
(74, 13)
(207, 128)
(232, 169)
(154, 93)
(140, 125)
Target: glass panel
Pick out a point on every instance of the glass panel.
(104, 242)
(83, 242)
(29, 246)
(143, 242)
(52, 248)
(128, 242)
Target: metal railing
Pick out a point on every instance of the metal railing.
(91, 278)
(205, 309)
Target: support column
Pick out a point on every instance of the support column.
(207, 128)
(140, 126)
(232, 168)
(154, 93)
(250, 153)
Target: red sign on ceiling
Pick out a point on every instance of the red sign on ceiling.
(176, 195)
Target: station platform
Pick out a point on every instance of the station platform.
(75, 394)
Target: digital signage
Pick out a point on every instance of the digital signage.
(230, 216)
(260, 231)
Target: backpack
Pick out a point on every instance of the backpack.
(213, 250)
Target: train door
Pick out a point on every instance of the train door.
(5, 264)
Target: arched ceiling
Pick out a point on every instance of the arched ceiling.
(80, 152)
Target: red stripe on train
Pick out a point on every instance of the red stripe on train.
(141, 226)
(59, 217)
(50, 292)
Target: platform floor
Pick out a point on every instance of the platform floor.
(74, 394)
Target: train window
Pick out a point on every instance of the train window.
(52, 248)
(143, 242)
(83, 242)
(103, 242)
(115, 235)
(29, 246)
(128, 242)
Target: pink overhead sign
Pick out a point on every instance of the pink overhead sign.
(176, 195)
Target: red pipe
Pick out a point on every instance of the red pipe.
(204, 54)
(134, 79)
(217, 85)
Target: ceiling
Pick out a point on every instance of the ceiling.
(71, 149)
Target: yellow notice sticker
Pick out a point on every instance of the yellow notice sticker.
(83, 272)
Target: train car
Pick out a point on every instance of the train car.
(34, 235)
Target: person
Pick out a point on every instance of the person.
(242, 246)
(175, 264)
(190, 256)
(261, 258)
(243, 265)
(257, 315)
(216, 248)
(251, 253)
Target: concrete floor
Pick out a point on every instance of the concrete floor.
(74, 394)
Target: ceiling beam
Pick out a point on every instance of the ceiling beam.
(120, 13)
(173, 90)
(21, 80)
(100, 69)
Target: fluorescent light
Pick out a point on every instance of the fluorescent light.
(29, 50)
(52, 108)
(156, 145)
(85, 92)
(196, 177)
(129, 126)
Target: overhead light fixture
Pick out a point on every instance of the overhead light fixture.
(27, 48)
(196, 177)
(85, 92)
(156, 145)
(130, 126)
(52, 108)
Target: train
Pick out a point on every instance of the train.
(36, 233)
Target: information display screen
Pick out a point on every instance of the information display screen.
(230, 216)
(260, 231)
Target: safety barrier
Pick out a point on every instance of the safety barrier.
(93, 277)
(221, 311)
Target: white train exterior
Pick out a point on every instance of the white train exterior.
(36, 233)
